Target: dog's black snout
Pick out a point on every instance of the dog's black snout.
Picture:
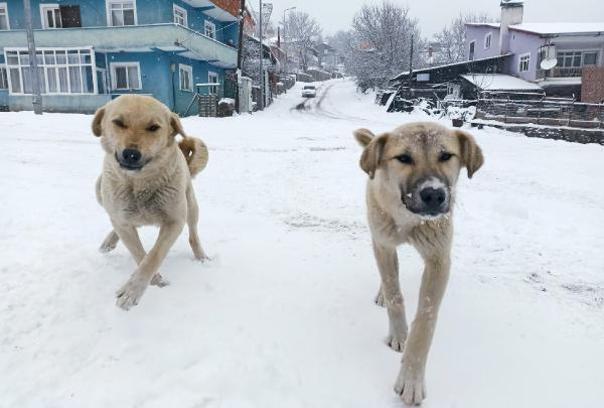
(131, 156)
(433, 198)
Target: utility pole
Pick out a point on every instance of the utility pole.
(240, 55)
(411, 62)
(33, 61)
(261, 106)
(286, 67)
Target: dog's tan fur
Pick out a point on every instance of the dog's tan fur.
(161, 193)
(392, 224)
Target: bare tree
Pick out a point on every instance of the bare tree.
(380, 44)
(452, 38)
(302, 31)
(341, 41)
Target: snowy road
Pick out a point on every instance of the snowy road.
(283, 316)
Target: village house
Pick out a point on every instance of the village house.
(519, 59)
(554, 56)
(91, 51)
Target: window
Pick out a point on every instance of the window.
(180, 15)
(472, 49)
(210, 29)
(63, 71)
(4, 23)
(213, 78)
(487, 41)
(525, 62)
(121, 13)
(3, 78)
(126, 76)
(569, 59)
(50, 15)
(590, 58)
(186, 77)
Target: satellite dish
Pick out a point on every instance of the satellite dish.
(548, 64)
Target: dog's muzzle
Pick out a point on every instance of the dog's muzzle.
(130, 159)
(429, 197)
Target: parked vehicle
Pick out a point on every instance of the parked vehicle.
(309, 91)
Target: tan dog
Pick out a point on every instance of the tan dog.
(410, 196)
(146, 180)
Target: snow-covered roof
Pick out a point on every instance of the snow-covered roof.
(512, 3)
(453, 64)
(491, 25)
(550, 28)
(500, 82)
(569, 81)
(560, 28)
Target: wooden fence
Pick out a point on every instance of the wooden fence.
(549, 113)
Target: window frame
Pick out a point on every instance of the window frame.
(44, 7)
(4, 77)
(125, 64)
(572, 53)
(524, 58)
(189, 70)
(472, 50)
(108, 4)
(597, 61)
(215, 75)
(206, 24)
(488, 38)
(56, 67)
(4, 5)
(176, 8)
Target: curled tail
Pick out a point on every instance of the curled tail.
(196, 154)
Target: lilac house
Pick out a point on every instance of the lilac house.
(566, 48)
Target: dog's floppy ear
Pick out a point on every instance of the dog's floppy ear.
(372, 155)
(363, 136)
(176, 124)
(97, 127)
(471, 154)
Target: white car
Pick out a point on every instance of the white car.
(309, 91)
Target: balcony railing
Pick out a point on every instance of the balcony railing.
(167, 37)
(560, 72)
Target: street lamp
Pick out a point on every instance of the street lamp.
(285, 37)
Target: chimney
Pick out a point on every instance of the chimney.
(512, 12)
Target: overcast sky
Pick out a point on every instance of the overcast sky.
(334, 15)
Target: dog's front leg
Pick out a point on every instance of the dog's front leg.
(387, 261)
(130, 238)
(410, 383)
(130, 294)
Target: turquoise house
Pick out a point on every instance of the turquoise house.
(90, 51)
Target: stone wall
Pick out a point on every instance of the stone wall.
(592, 89)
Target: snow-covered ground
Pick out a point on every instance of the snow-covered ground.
(283, 316)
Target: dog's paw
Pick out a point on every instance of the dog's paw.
(107, 246)
(410, 385)
(110, 243)
(203, 258)
(159, 281)
(396, 341)
(379, 299)
(130, 294)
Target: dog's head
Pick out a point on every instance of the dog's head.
(135, 129)
(420, 163)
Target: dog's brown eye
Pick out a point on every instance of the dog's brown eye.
(405, 159)
(119, 123)
(444, 156)
(153, 128)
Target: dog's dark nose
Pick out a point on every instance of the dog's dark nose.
(131, 157)
(433, 198)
